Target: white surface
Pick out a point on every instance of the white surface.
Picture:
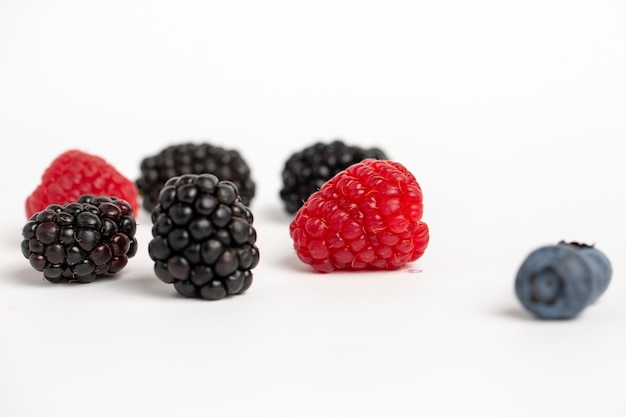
(510, 114)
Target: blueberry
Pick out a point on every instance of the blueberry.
(559, 281)
(602, 269)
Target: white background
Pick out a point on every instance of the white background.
(510, 114)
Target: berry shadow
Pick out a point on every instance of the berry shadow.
(147, 285)
(515, 314)
(292, 264)
(150, 286)
(27, 276)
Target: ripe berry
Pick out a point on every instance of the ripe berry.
(365, 217)
(80, 241)
(203, 238)
(74, 173)
(193, 158)
(559, 281)
(306, 171)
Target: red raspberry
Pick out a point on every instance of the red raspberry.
(74, 173)
(365, 217)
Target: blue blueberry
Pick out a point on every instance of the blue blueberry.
(559, 281)
(602, 270)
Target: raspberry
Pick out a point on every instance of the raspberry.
(365, 217)
(80, 241)
(306, 171)
(74, 173)
(203, 239)
(193, 158)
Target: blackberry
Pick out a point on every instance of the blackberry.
(203, 238)
(307, 170)
(193, 158)
(80, 241)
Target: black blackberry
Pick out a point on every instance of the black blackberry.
(80, 241)
(307, 170)
(203, 238)
(193, 158)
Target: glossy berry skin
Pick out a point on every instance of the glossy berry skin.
(204, 242)
(193, 158)
(74, 173)
(80, 241)
(368, 216)
(560, 281)
(307, 170)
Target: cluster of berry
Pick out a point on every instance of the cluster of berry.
(82, 220)
(354, 209)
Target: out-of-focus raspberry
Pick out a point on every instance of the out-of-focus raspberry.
(74, 173)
